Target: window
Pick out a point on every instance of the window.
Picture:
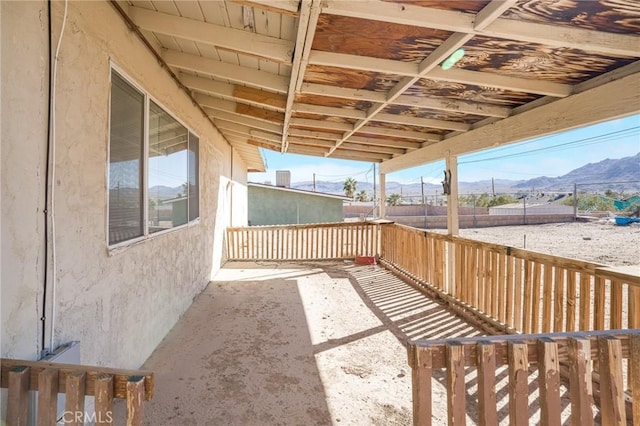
(165, 157)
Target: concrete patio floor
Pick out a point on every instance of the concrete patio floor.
(295, 344)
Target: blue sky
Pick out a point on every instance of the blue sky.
(551, 156)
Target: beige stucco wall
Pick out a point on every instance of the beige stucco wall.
(23, 105)
(118, 304)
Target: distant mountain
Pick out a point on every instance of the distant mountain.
(164, 192)
(620, 170)
(607, 171)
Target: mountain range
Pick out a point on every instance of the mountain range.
(618, 175)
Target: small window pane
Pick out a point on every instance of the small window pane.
(168, 171)
(125, 161)
(194, 202)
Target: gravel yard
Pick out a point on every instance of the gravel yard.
(599, 241)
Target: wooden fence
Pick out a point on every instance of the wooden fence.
(323, 241)
(49, 379)
(479, 359)
(517, 290)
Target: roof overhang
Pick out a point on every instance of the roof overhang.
(363, 80)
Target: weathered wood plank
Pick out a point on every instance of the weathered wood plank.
(612, 405)
(547, 294)
(518, 384)
(104, 399)
(135, 401)
(585, 301)
(74, 398)
(456, 395)
(634, 376)
(616, 304)
(559, 300)
(549, 380)
(47, 396)
(599, 301)
(580, 382)
(18, 397)
(420, 361)
(535, 310)
(121, 376)
(487, 384)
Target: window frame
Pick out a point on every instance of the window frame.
(148, 98)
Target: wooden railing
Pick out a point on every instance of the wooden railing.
(514, 289)
(49, 379)
(535, 365)
(321, 241)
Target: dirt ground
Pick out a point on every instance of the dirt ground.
(599, 241)
(324, 344)
(289, 344)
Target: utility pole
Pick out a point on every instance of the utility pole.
(314, 182)
(374, 186)
(422, 190)
(493, 188)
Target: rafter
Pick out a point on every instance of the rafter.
(606, 102)
(248, 95)
(420, 122)
(238, 108)
(271, 48)
(425, 17)
(242, 119)
(309, 14)
(456, 75)
(317, 124)
(235, 73)
(385, 142)
(404, 134)
(330, 111)
(311, 134)
(285, 7)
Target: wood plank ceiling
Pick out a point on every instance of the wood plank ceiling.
(363, 80)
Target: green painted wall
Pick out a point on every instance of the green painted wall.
(271, 206)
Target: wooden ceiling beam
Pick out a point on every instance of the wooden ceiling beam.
(250, 77)
(509, 29)
(307, 22)
(238, 108)
(330, 111)
(284, 7)
(476, 108)
(263, 46)
(311, 134)
(342, 92)
(242, 119)
(420, 122)
(444, 50)
(317, 124)
(455, 75)
(405, 134)
(357, 155)
(371, 148)
(392, 143)
(609, 101)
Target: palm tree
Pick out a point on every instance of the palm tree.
(362, 196)
(350, 187)
(394, 199)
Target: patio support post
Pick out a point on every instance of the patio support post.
(451, 165)
(383, 196)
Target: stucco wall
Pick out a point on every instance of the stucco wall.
(118, 304)
(22, 167)
(271, 206)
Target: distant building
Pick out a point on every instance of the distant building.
(274, 205)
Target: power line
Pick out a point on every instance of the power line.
(607, 137)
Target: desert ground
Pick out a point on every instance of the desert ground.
(324, 344)
(599, 241)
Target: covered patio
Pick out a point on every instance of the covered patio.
(297, 343)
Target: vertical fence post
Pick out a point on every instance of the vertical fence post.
(420, 360)
(580, 382)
